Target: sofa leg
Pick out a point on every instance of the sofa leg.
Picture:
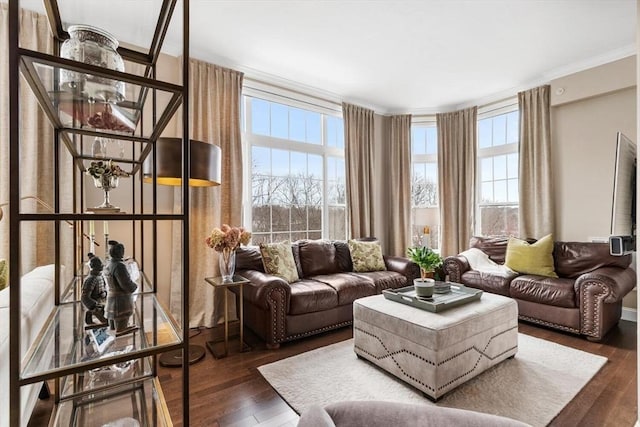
(273, 346)
(593, 339)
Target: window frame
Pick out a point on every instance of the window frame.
(249, 140)
(431, 122)
(505, 107)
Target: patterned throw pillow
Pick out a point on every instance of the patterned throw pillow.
(4, 274)
(278, 260)
(366, 256)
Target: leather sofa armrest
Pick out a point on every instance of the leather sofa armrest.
(610, 284)
(262, 285)
(598, 291)
(454, 266)
(404, 266)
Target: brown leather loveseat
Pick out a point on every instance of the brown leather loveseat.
(585, 299)
(322, 299)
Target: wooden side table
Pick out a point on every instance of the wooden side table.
(217, 282)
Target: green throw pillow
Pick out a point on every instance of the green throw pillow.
(277, 259)
(535, 258)
(366, 256)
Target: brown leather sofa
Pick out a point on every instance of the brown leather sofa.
(585, 299)
(321, 300)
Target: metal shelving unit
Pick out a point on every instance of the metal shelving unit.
(121, 382)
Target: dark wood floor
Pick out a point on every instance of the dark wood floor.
(231, 392)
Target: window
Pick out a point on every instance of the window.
(297, 172)
(498, 138)
(425, 217)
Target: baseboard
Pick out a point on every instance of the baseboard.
(630, 314)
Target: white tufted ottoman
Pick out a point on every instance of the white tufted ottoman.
(435, 352)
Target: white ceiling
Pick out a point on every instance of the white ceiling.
(393, 56)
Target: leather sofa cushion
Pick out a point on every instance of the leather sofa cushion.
(348, 286)
(544, 290)
(308, 296)
(384, 279)
(494, 246)
(249, 258)
(317, 257)
(343, 256)
(573, 259)
(490, 282)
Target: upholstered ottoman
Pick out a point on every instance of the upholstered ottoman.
(435, 352)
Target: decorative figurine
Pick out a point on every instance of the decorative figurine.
(94, 293)
(120, 286)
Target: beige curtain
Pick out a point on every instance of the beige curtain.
(398, 178)
(36, 152)
(214, 105)
(359, 164)
(535, 213)
(456, 178)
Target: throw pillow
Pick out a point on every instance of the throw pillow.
(531, 258)
(366, 256)
(278, 260)
(4, 274)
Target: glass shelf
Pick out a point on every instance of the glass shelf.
(89, 107)
(141, 402)
(105, 377)
(65, 347)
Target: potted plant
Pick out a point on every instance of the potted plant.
(428, 260)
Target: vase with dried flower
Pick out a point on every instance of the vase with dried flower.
(226, 240)
(105, 176)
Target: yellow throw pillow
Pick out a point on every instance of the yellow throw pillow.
(4, 274)
(277, 259)
(366, 256)
(535, 258)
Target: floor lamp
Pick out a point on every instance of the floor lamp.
(205, 171)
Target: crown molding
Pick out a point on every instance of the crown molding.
(331, 97)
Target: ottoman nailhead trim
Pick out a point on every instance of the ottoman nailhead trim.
(391, 355)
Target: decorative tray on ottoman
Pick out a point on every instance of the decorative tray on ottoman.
(458, 295)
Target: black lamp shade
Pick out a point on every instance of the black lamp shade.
(205, 163)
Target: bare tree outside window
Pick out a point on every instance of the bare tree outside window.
(288, 185)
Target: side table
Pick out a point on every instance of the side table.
(217, 282)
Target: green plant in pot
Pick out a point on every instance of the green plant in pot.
(428, 260)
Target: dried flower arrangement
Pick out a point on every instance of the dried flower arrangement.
(227, 238)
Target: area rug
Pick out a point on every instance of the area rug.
(533, 387)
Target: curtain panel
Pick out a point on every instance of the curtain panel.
(214, 105)
(36, 153)
(535, 213)
(359, 162)
(456, 178)
(398, 178)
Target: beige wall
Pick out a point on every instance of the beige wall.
(583, 150)
(588, 109)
